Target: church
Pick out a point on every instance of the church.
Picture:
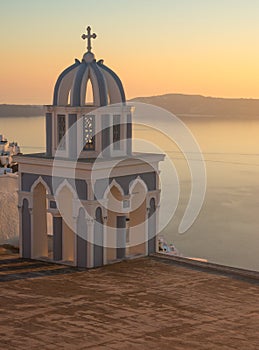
(88, 200)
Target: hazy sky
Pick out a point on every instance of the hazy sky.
(208, 47)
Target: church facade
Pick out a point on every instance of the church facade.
(88, 200)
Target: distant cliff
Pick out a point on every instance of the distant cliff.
(20, 110)
(178, 104)
(199, 105)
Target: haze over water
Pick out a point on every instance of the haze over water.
(227, 229)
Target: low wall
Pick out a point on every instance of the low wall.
(9, 219)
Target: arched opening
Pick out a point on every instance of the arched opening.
(137, 222)
(89, 93)
(69, 98)
(152, 227)
(114, 205)
(98, 238)
(40, 234)
(65, 205)
(108, 98)
(81, 239)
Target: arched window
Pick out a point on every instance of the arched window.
(98, 215)
(89, 94)
(69, 98)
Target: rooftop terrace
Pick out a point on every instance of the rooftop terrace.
(149, 303)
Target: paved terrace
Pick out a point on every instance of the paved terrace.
(147, 303)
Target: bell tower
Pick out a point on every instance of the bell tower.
(103, 122)
(88, 200)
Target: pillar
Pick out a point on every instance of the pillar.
(152, 227)
(57, 238)
(26, 229)
(81, 240)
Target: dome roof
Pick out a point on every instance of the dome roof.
(72, 84)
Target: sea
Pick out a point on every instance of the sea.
(226, 230)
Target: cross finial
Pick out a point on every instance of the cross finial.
(89, 36)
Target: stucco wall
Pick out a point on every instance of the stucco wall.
(9, 219)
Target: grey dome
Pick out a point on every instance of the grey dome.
(107, 86)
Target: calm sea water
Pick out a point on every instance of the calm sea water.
(227, 228)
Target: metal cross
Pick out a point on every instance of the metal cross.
(89, 36)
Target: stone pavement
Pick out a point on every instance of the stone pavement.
(140, 304)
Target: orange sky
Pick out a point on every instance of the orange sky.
(155, 47)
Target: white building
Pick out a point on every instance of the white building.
(7, 151)
(106, 209)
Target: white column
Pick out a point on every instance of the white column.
(105, 238)
(32, 229)
(90, 238)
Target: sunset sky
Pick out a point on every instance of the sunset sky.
(203, 47)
